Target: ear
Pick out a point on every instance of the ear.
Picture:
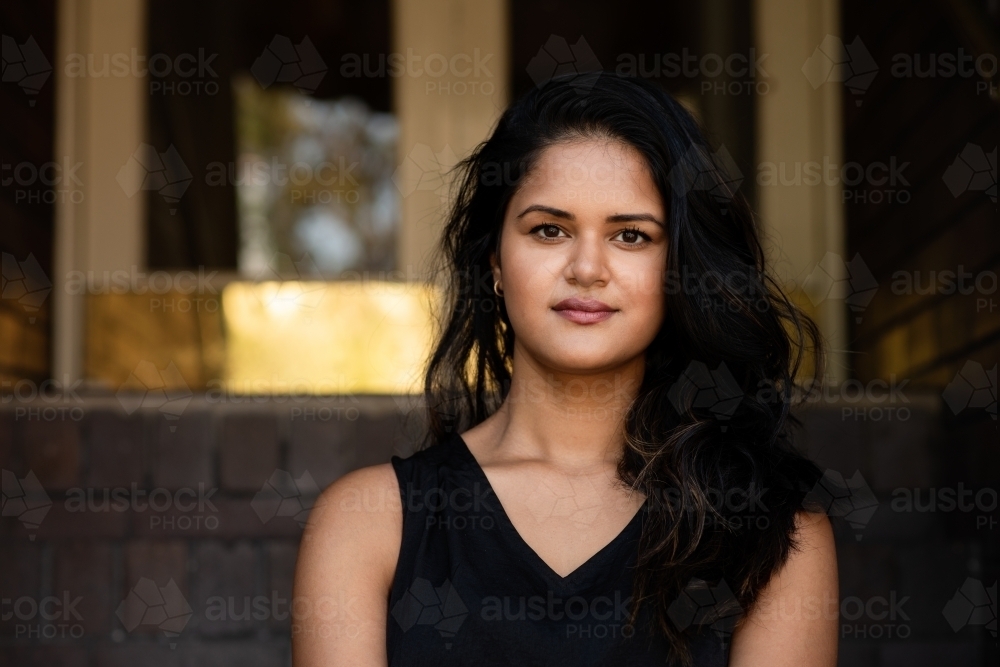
(495, 266)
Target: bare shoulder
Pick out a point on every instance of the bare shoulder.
(365, 500)
(813, 533)
(795, 619)
(359, 512)
(347, 559)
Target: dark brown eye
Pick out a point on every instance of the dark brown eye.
(633, 236)
(547, 231)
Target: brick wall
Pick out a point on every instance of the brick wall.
(189, 485)
(102, 575)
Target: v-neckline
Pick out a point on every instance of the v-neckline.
(527, 551)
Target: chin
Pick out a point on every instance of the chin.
(587, 359)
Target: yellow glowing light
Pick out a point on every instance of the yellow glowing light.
(327, 337)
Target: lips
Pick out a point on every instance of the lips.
(586, 305)
(584, 311)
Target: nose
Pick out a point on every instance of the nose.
(587, 261)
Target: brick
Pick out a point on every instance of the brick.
(973, 452)
(248, 451)
(281, 560)
(225, 586)
(9, 456)
(188, 512)
(29, 507)
(20, 575)
(161, 561)
(191, 653)
(928, 654)
(857, 654)
(377, 439)
(84, 569)
(60, 523)
(52, 451)
(326, 449)
(114, 449)
(833, 442)
(902, 452)
(183, 451)
(156, 559)
(243, 654)
(234, 518)
(894, 527)
(64, 655)
(931, 573)
(865, 569)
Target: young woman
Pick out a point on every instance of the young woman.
(607, 478)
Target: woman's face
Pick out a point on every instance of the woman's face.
(587, 223)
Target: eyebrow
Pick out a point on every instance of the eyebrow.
(566, 215)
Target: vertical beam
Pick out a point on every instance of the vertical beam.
(797, 123)
(455, 86)
(100, 122)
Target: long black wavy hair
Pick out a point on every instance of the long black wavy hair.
(712, 414)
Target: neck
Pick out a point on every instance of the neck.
(571, 419)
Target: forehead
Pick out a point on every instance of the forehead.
(605, 173)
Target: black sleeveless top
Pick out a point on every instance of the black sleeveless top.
(468, 590)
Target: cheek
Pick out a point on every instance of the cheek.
(641, 283)
(531, 273)
(527, 289)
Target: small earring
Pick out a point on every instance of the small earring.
(496, 289)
